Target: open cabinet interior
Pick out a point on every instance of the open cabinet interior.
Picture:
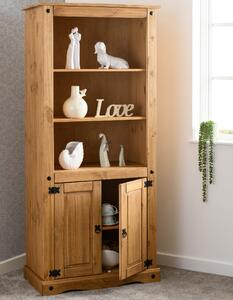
(127, 235)
(110, 224)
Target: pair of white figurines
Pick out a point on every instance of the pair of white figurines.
(71, 158)
(105, 60)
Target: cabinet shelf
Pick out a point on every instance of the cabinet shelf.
(95, 172)
(98, 119)
(98, 70)
(110, 227)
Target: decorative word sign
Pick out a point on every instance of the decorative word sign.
(115, 110)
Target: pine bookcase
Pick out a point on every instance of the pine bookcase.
(63, 207)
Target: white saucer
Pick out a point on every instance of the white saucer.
(111, 224)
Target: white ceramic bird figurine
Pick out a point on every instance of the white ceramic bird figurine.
(121, 157)
(107, 61)
(83, 93)
(103, 151)
(72, 157)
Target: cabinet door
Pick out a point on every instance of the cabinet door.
(132, 227)
(77, 244)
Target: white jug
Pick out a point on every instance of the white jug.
(75, 106)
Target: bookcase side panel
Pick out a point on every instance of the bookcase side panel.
(152, 130)
(39, 138)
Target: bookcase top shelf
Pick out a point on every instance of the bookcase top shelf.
(90, 5)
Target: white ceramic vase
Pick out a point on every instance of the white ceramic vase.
(75, 106)
(72, 157)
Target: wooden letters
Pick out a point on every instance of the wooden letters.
(115, 110)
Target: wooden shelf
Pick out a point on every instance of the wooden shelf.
(110, 227)
(111, 272)
(98, 70)
(99, 119)
(95, 172)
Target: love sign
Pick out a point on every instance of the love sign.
(115, 110)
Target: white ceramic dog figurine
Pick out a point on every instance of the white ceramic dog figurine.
(107, 61)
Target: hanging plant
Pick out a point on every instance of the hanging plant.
(206, 155)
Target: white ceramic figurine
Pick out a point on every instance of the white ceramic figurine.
(103, 151)
(73, 52)
(72, 156)
(122, 157)
(107, 61)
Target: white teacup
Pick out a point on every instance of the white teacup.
(109, 209)
(110, 220)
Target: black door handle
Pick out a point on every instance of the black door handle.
(97, 228)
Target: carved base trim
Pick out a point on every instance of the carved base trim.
(104, 280)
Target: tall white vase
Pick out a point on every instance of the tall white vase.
(75, 106)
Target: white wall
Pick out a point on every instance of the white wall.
(191, 234)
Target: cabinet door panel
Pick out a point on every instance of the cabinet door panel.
(77, 245)
(133, 228)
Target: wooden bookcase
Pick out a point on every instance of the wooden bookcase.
(64, 249)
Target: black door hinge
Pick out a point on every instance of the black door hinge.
(147, 263)
(148, 183)
(54, 190)
(54, 273)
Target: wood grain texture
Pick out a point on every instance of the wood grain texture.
(89, 5)
(99, 119)
(99, 12)
(39, 139)
(78, 187)
(98, 70)
(133, 219)
(98, 173)
(77, 245)
(104, 280)
(60, 229)
(152, 132)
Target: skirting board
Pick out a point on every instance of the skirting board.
(195, 264)
(164, 259)
(12, 264)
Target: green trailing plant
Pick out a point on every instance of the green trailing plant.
(206, 155)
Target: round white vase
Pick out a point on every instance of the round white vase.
(75, 106)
